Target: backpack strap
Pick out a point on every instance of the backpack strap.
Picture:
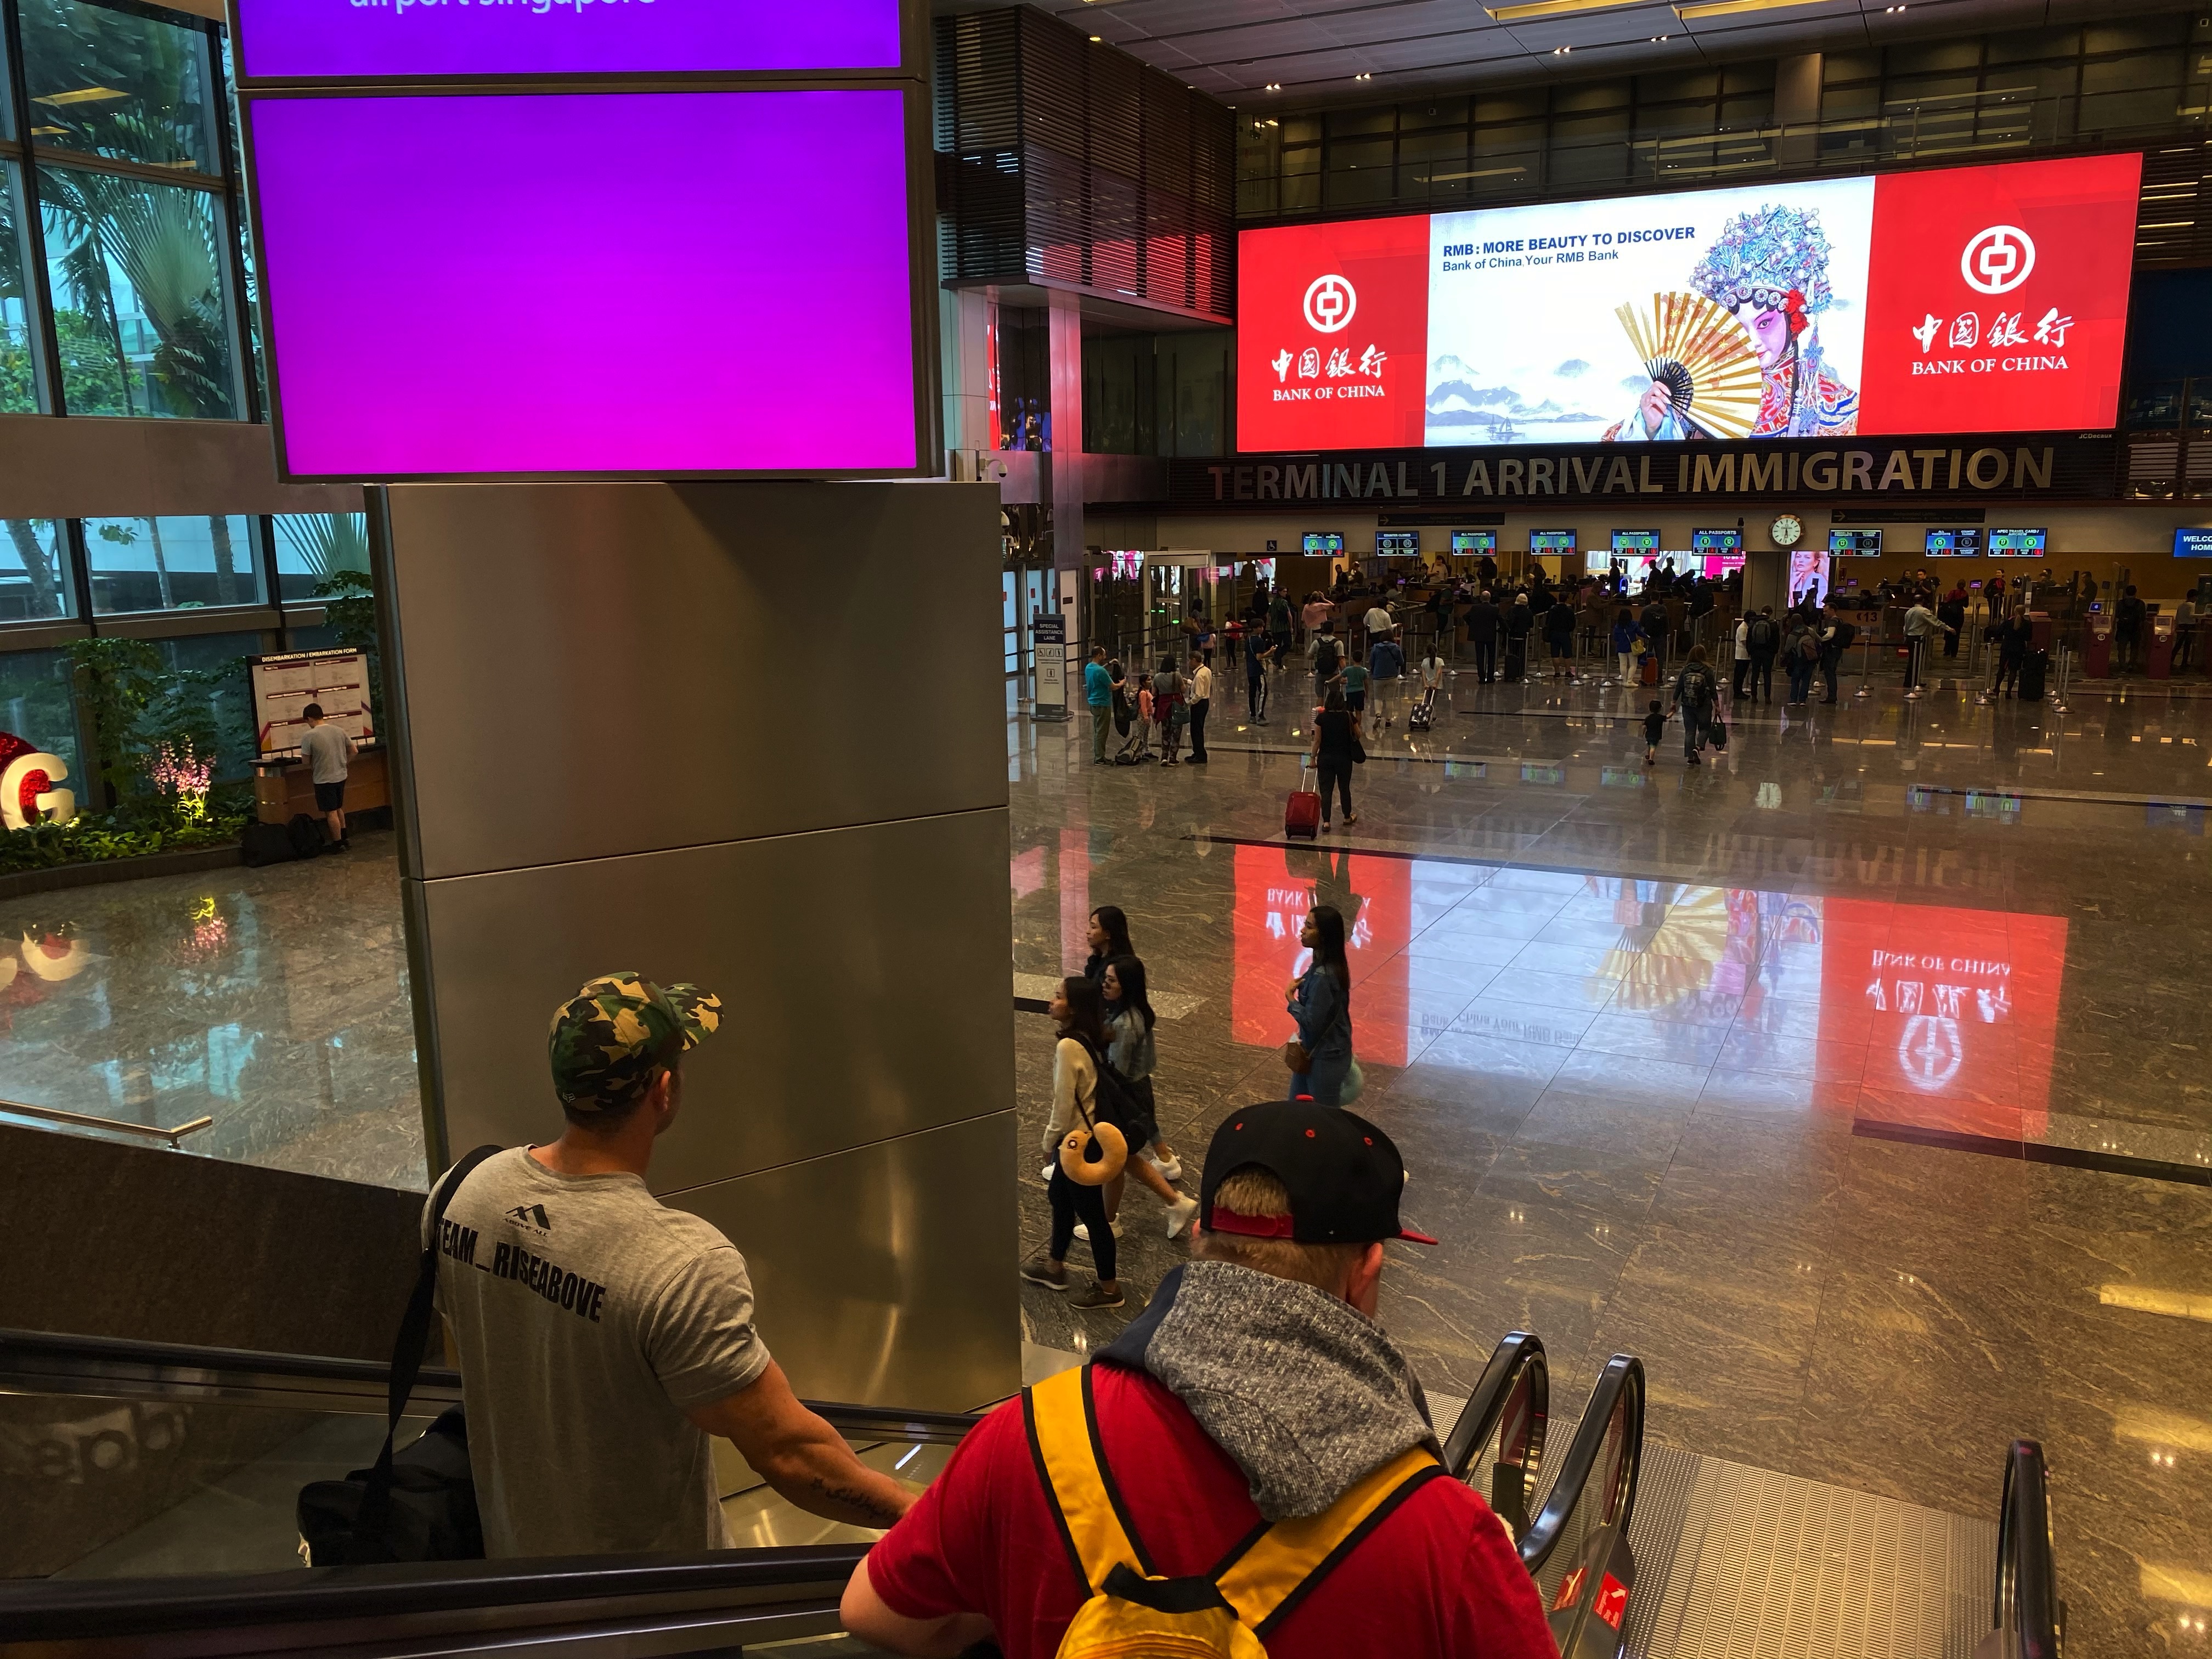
(1271, 1571)
(1062, 1421)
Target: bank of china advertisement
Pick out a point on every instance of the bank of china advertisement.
(1988, 299)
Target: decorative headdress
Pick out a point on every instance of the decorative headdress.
(1775, 257)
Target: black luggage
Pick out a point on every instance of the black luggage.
(2033, 673)
(262, 844)
(307, 836)
(1424, 714)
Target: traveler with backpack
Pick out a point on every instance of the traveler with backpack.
(1386, 678)
(1079, 1052)
(1920, 628)
(1696, 691)
(1278, 625)
(1762, 638)
(1801, 653)
(1327, 660)
(605, 1340)
(1319, 1001)
(1256, 1389)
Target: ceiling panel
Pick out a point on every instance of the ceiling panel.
(1315, 48)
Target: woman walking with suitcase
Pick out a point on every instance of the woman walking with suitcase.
(1336, 749)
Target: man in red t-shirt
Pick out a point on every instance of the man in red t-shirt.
(1256, 1386)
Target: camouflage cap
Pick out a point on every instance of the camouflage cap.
(609, 1038)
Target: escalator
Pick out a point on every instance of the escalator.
(147, 1516)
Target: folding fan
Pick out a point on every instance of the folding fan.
(1699, 352)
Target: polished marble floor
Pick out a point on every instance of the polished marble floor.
(273, 1001)
(1857, 1082)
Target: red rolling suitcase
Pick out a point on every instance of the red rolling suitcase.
(1301, 817)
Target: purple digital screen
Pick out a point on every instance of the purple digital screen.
(317, 39)
(649, 283)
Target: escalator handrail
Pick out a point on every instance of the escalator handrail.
(43, 1362)
(1486, 1407)
(2026, 1600)
(52, 1609)
(1620, 1388)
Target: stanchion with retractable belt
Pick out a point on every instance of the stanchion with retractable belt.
(1866, 669)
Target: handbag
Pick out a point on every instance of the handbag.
(421, 1504)
(1297, 1056)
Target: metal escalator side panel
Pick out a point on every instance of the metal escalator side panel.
(1588, 1613)
(1601, 1466)
(2027, 1616)
(1511, 1404)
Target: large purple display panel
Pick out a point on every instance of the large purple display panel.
(642, 284)
(318, 39)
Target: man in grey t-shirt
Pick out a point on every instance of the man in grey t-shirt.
(604, 1339)
(329, 752)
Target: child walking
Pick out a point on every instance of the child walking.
(1655, 728)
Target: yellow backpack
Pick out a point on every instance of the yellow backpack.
(1132, 1612)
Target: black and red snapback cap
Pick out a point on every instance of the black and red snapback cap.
(1344, 1175)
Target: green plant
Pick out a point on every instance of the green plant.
(117, 681)
(101, 838)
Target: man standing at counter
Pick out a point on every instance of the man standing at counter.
(329, 752)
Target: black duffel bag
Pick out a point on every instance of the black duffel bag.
(419, 1504)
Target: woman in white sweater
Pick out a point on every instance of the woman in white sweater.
(1078, 1009)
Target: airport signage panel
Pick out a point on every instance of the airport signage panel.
(1990, 299)
(2190, 544)
(496, 317)
(408, 40)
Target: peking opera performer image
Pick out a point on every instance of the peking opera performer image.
(1739, 355)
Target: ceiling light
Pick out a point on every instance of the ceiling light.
(1561, 51)
(1363, 76)
(82, 95)
(1272, 86)
(1096, 38)
(1274, 123)
(1524, 10)
(1724, 8)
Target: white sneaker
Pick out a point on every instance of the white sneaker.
(1181, 1215)
(1170, 1171)
(1083, 1232)
(1047, 1171)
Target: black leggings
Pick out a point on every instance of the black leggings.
(1071, 1201)
(1338, 771)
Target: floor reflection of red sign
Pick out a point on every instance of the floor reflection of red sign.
(1957, 1010)
(1275, 888)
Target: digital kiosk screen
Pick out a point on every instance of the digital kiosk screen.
(1855, 543)
(1636, 541)
(1716, 541)
(1552, 541)
(1319, 542)
(1965, 542)
(1398, 544)
(1474, 541)
(2019, 544)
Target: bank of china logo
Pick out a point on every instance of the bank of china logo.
(1931, 1051)
(1998, 260)
(1330, 303)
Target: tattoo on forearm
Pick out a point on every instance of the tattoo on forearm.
(866, 1503)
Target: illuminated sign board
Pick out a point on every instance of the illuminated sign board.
(2192, 543)
(1636, 541)
(30, 786)
(1964, 542)
(1552, 541)
(445, 334)
(1323, 542)
(1716, 541)
(1855, 543)
(1397, 543)
(2017, 544)
(343, 39)
(1961, 300)
(1474, 541)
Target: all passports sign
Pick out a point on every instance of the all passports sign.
(2053, 466)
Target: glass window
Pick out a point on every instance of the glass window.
(118, 84)
(37, 705)
(172, 564)
(19, 356)
(312, 545)
(35, 585)
(223, 690)
(141, 303)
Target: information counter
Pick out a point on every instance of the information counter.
(284, 789)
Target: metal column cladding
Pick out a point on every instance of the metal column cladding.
(592, 238)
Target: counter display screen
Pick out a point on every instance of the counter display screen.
(1635, 541)
(1474, 541)
(1959, 300)
(2192, 543)
(1855, 543)
(492, 315)
(1552, 541)
(1330, 542)
(1716, 541)
(1965, 542)
(1398, 544)
(2017, 544)
(343, 39)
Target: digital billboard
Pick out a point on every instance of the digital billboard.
(1964, 542)
(494, 316)
(2192, 543)
(333, 39)
(1963, 299)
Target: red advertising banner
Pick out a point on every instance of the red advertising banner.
(1998, 297)
(1333, 324)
